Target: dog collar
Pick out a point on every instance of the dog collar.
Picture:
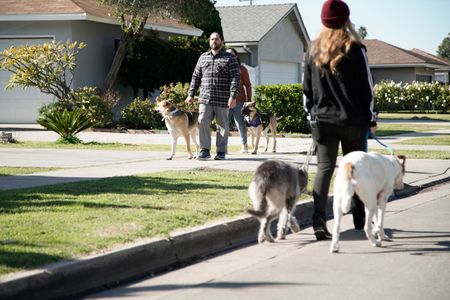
(170, 114)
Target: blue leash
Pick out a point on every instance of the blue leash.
(381, 143)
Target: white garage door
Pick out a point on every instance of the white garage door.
(20, 105)
(279, 72)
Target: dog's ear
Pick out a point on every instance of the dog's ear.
(402, 160)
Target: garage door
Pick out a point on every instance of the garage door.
(20, 105)
(279, 72)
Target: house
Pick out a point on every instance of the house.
(389, 62)
(270, 38)
(36, 22)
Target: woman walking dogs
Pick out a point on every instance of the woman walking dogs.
(338, 96)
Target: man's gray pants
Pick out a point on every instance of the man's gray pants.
(207, 112)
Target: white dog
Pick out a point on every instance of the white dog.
(372, 177)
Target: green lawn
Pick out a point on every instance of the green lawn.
(417, 154)
(396, 129)
(414, 116)
(47, 224)
(443, 140)
(5, 171)
(105, 146)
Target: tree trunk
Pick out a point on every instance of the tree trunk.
(113, 72)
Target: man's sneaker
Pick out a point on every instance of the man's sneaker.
(322, 234)
(244, 148)
(204, 154)
(220, 156)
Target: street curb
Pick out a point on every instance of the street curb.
(77, 277)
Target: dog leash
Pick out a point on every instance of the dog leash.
(308, 157)
(381, 143)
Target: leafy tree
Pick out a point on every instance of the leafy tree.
(48, 67)
(204, 15)
(153, 62)
(362, 32)
(444, 48)
(133, 16)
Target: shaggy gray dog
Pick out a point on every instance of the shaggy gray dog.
(274, 191)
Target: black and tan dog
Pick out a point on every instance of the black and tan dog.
(180, 123)
(259, 123)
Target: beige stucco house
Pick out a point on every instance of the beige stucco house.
(36, 21)
(389, 62)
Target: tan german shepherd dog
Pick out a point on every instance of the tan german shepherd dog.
(259, 123)
(180, 123)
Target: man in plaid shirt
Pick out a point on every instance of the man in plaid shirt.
(217, 75)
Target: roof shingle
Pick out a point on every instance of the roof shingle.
(250, 23)
(381, 53)
(64, 7)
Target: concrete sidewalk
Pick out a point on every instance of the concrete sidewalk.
(73, 277)
(414, 265)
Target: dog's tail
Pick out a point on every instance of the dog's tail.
(258, 197)
(343, 187)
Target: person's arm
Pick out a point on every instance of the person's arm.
(307, 86)
(367, 87)
(195, 82)
(245, 78)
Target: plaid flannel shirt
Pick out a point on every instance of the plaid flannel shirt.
(218, 77)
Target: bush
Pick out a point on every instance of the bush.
(286, 102)
(177, 93)
(422, 96)
(141, 114)
(97, 108)
(66, 123)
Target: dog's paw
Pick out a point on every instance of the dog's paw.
(334, 248)
(294, 227)
(386, 238)
(169, 157)
(253, 152)
(281, 237)
(376, 244)
(269, 239)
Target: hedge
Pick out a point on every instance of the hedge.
(286, 102)
(416, 96)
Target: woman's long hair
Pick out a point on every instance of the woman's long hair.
(332, 45)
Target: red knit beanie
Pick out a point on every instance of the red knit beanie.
(334, 13)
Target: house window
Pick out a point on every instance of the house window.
(423, 78)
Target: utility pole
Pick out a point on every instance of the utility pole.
(251, 1)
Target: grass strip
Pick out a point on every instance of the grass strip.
(47, 224)
(439, 140)
(6, 171)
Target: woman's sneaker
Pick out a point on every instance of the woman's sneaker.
(244, 148)
(322, 234)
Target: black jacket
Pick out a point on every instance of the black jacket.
(342, 99)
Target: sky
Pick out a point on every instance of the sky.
(407, 24)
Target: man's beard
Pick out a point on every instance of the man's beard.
(215, 46)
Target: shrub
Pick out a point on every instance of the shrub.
(443, 99)
(141, 114)
(286, 102)
(66, 123)
(177, 93)
(388, 96)
(422, 96)
(99, 111)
